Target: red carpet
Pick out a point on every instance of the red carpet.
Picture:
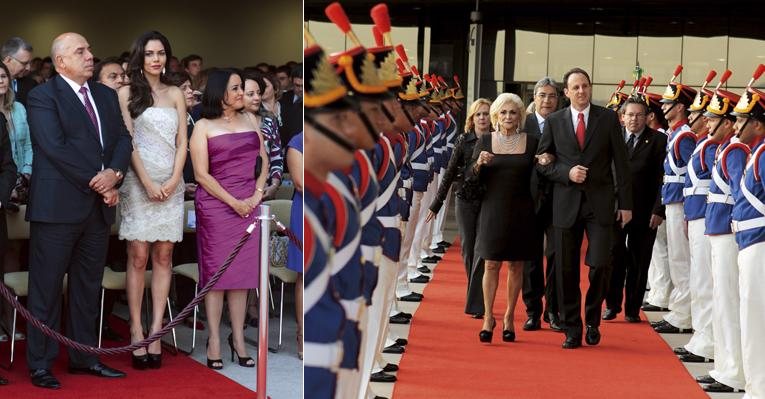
(179, 378)
(444, 358)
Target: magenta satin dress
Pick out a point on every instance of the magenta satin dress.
(232, 158)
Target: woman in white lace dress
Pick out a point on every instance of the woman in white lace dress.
(151, 205)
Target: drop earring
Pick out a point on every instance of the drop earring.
(163, 70)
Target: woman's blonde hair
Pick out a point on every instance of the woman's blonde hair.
(7, 99)
(469, 125)
(500, 102)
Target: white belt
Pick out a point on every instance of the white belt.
(420, 166)
(353, 308)
(698, 190)
(407, 183)
(741, 225)
(322, 355)
(371, 254)
(720, 198)
(674, 178)
(389, 221)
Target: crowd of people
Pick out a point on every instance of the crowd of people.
(83, 138)
(666, 187)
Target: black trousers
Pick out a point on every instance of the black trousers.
(467, 222)
(534, 277)
(568, 243)
(79, 250)
(632, 249)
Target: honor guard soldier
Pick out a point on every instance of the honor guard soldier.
(749, 226)
(328, 146)
(676, 100)
(728, 373)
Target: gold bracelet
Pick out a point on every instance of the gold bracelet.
(259, 189)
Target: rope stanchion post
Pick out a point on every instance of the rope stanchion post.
(265, 236)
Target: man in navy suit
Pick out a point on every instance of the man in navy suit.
(590, 173)
(81, 150)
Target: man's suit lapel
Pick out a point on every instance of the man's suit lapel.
(570, 133)
(77, 107)
(592, 123)
(641, 144)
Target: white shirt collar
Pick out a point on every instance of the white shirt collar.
(540, 118)
(575, 115)
(75, 86)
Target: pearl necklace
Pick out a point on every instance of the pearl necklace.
(508, 143)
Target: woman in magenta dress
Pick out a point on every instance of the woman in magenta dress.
(230, 166)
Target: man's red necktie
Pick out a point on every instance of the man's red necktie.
(580, 130)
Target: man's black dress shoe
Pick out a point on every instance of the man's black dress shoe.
(691, 358)
(431, 259)
(572, 342)
(705, 379)
(668, 328)
(380, 376)
(720, 387)
(98, 370)
(404, 315)
(411, 297)
(420, 279)
(3, 381)
(532, 324)
(44, 379)
(398, 320)
(653, 308)
(424, 269)
(446, 244)
(555, 323)
(401, 341)
(592, 337)
(394, 349)
(682, 351)
(390, 367)
(609, 314)
(439, 250)
(632, 319)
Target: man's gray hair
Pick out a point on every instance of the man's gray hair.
(545, 81)
(13, 45)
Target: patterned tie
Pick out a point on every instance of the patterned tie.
(580, 128)
(631, 143)
(89, 107)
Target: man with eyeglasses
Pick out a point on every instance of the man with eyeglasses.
(534, 276)
(16, 54)
(633, 243)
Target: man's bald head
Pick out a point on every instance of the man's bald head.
(71, 55)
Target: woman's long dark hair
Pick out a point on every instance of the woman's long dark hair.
(215, 92)
(140, 91)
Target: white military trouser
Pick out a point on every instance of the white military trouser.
(726, 319)
(407, 243)
(658, 271)
(702, 343)
(751, 281)
(424, 231)
(679, 267)
(438, 223)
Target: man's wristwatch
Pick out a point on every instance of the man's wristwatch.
(118, 173)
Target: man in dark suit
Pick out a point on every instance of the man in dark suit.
(81, 150)
(16, 54)
(646, 149)
(292, 107)
(534, 275)
(590, 157)
(7, 182)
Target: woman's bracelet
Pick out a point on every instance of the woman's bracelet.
(259, 189)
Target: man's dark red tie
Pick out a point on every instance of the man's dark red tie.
(580, 130)
(89, 106)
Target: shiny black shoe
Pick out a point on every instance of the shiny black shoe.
(431, 259)
(140, 362)
(508, 335)
(592, 337)
(380, 376)
(214, 364)
(394, 349)
(682, 351)
(655, 324)
(155, 360)
(401, 341)
(572, 342)
(390, 367)
(43, 378)
(668, 328)
(446, 244)
(242, 361)
(720, 387)
(691, 358)
(486, 335)
(404, 315)
(632, 319)
(424, 269)
(412, 297)
(705, 379)
(532, 324)
(609, 314)
(653, 308)
(98, 370)
(398, 320)
(439, 250)
(420, 279)
(555, 323)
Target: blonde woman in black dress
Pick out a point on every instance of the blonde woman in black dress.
(503, 162)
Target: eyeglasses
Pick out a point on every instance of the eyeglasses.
(23, 63)
(544, 96)
(630, 115)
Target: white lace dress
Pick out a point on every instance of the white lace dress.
(141, 219)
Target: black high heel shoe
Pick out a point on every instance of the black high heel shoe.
(507, 335)
(243, 361)
(140, 362)
(487, 335)
(211, 362)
